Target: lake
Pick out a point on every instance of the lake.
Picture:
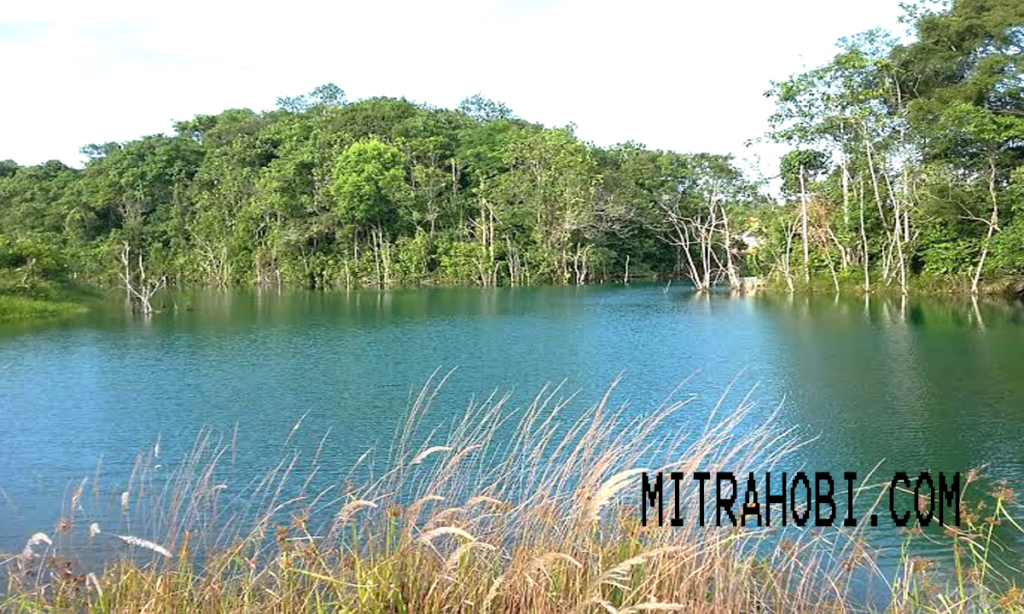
(921, 384)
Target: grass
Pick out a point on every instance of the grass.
(499, 510)
(24, 299)
(13, 307)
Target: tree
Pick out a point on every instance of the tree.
(369, 185)
(906, 161)
(328, 94)
(8, 168)
(797, 169)
(964, 80)
(484, 109)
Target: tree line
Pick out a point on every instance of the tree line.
(906, 162)
(907, 158)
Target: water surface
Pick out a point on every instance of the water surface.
(917, 385)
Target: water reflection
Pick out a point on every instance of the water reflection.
(918, 384)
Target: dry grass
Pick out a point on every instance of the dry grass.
(503, 510)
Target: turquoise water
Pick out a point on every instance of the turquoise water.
(916, 385)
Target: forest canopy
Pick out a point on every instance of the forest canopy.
(906, 161)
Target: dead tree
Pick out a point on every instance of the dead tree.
(698, 233)
(730, 267)
(803, 218)
(785, 262)
(993, 227)
(140, 290)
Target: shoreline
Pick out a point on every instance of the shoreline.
(16, 308)
(77, 300)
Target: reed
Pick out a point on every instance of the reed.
(503, 509)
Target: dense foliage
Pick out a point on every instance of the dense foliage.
(907, 160)
(380, 191)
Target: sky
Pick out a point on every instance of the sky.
(678, 74)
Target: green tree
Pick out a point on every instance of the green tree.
(369, 185)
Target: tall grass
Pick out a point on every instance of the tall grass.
(498, 510)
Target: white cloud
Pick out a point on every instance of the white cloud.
(681, 74)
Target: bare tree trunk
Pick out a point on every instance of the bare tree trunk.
(576, 266)
(846, 193)
(707, 247)
(490, 244)
(514, 267)
(355, 244)
(878, 203)
(138, 288)
(485, 231)
(903, 265)
(993, 225)
(789, 256)
(734, 278)
(843, 257)
(906, 205)
(803, 215)
(684, 246)
(385, 257)
(582, 265)
(832, 269)
(897, 233)
(864, 239)
(376, 256)
(700, 234)
(126, 271)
